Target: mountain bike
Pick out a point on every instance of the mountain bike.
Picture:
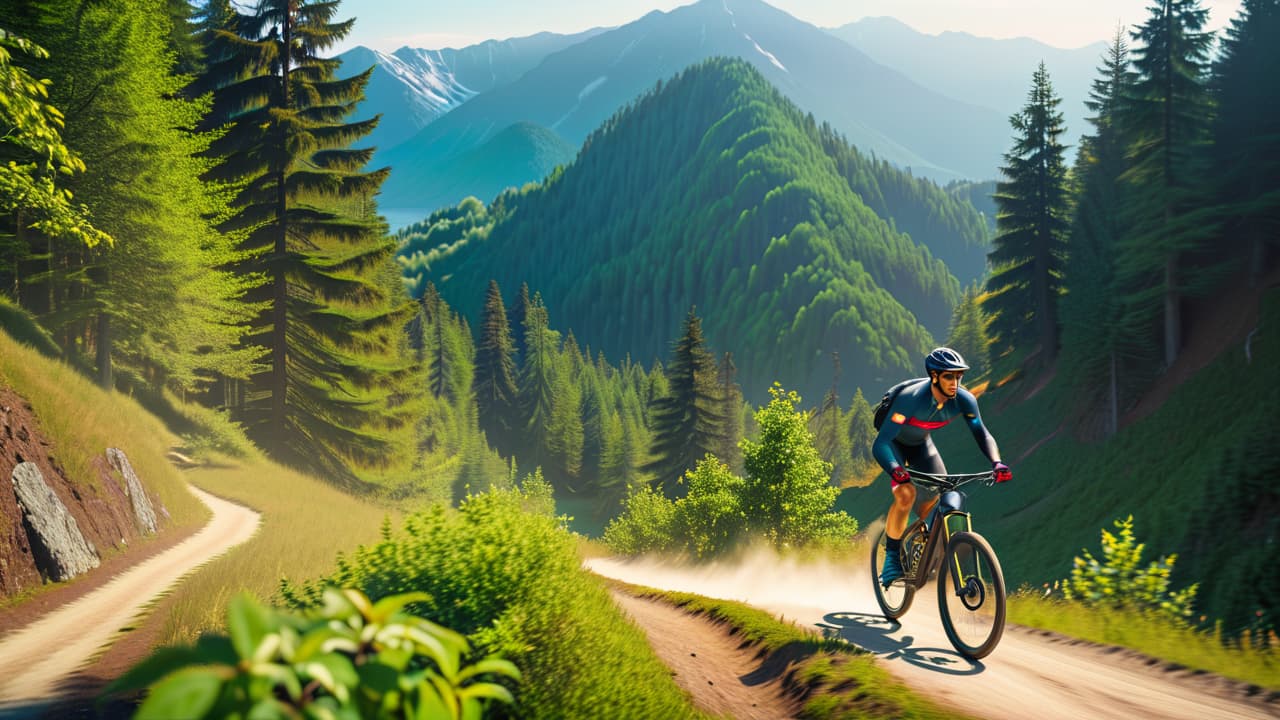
(971, 592)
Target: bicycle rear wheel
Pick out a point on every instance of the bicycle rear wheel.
(896, 599)
(971, 595)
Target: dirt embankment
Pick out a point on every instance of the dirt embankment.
(101, 509)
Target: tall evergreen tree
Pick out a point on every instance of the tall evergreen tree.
(310, 231)
(1246, 132)
(538, 382)
(1167, 118)
(968, 335)
(496, 393)
(861, 427)
(830, 428)
(688, 420)
(523, 302)
(154, 304)
(1096, 334)
(731, 409)
(1031, 227)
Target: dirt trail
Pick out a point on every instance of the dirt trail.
(723, 678)
(1029, 675)
(36, 659)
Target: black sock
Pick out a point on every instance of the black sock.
(892, 545)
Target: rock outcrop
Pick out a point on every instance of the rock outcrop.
(142, 510)
(60, 549)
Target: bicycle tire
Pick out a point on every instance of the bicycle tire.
(974, 621)
(896, 599)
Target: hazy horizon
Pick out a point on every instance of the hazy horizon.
(388, 25)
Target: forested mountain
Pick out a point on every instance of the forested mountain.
(984, 71)
(878, 109)
(412, 86)
(714, 191)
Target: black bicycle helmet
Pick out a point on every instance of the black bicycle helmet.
(943, 359)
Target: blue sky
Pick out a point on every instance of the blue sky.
(390, 24)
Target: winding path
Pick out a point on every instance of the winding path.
(36, 659)
(1030, 675)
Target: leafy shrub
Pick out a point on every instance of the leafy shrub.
(350, 658)
(1119, 581)
(511, 580)
(646, 524)
(786, 496)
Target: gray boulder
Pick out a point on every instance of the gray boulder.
(60, 550)
(142, 510)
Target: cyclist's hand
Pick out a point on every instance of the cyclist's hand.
(1003, 473)
(900, 475)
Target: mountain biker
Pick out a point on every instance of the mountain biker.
(904, 441)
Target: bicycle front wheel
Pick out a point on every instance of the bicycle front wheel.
(894, 600)
(971, 595)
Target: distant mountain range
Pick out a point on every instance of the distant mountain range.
(576, 89)
(992, 73)
(715, 191)
(411, 87)
(937, 104)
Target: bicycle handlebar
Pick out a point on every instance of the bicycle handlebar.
(951, 482)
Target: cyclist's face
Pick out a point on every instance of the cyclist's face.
(948, 382)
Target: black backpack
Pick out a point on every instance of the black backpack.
(887, 401)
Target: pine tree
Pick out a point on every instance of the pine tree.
(538, 382)
(1166, 119)
(522, 313)
(154, 304)
(861, 427)
(496, 393)
(1031, 227)
(968, 335)
(1246, 131)
(731, 409)
(1096, 336)
(688, 421)
(311, 231)
(829, 427)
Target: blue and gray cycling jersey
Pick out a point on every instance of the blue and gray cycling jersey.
(914, 414)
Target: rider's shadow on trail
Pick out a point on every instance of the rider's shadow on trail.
(874, 633)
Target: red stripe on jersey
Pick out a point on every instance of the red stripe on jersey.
(925, 424)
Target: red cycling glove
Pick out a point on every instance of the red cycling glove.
(900, 475)
(1003, 473)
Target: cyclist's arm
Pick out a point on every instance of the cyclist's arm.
(882, 448)
(986, 443)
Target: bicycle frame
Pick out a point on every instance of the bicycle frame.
(950, 510)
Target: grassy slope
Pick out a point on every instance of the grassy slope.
(305, 525)
(82, 421)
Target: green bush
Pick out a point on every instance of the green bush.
(351, 658)
(786, 497)
(511, 580)
(647, 524)
(1118, 580)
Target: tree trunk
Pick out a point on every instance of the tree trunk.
(1172, 312)
(279, 321)
(104, 350)
(1115, 399)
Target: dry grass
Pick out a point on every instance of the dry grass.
(306, 523)
(82, 420)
